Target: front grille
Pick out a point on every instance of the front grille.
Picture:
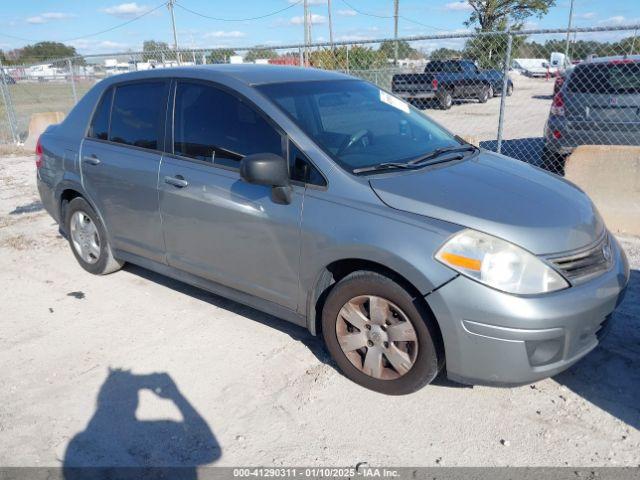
(585, 264)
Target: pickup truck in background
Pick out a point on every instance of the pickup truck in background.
(446, 80)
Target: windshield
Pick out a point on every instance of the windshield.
(358, 124)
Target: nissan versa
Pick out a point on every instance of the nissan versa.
(321, 199)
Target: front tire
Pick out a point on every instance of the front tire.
(483, 96)
(88, 239)
(445, 100)
(379, 335)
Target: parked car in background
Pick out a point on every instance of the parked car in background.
(531, 67)
(414, 250)
(444, 81)
(597, 104)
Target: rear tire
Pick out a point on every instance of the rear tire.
(88, 239)
(395, 329)
(553, 161)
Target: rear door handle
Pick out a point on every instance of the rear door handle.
(176, 181)
(91, 160)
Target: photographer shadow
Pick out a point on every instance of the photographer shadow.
(116, 444)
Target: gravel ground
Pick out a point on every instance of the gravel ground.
(83, 355)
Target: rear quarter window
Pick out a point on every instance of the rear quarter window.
(137, 114)
(99, 127)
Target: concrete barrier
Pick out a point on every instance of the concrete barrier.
(610, 175)
(38, 123)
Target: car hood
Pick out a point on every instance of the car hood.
(541, 212)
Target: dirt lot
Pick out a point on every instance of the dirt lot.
(77, 352)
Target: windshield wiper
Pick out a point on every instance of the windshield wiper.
(428, 159)
(382, 166)
(425, 159)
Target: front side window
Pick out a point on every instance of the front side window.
(358, 124)
(137, 114)
(100, 125)
(214, 126)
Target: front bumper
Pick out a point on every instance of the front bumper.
(492, 337)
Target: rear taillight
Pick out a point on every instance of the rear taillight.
(434, 83)
(38, 154)
(557, 106)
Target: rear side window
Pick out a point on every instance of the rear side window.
(214, 126)
(137, 114)
(100, 125)
(606, 78)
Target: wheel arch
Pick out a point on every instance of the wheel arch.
(338, 269)
(66, 192)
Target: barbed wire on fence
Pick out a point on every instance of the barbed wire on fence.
(539, 116)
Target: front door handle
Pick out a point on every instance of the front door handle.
(91, 160)
(177, 181)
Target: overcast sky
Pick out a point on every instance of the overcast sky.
(28, 21)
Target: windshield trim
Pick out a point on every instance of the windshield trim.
(347, 168)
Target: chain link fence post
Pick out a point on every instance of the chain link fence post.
(73, 81)
(8, 106)
(503, 93)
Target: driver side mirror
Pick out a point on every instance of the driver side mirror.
(268, 169)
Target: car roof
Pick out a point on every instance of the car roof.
(248, 74)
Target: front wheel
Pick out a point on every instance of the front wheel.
(379, 335)
(88, 238)
(445, 100)
(483, 96)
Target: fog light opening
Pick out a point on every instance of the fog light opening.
(543, 352)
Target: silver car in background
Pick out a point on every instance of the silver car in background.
(598, 104)
(321, 199)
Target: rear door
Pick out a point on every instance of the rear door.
(604, 98)
(120, 161)
(216, 225)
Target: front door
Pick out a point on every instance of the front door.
(120, 162)
(216, 225)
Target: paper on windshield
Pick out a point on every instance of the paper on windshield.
(393, 101)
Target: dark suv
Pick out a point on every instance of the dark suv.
(598, 104)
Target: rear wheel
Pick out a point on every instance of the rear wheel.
(552, 161)
(88, 239)
(379, 335)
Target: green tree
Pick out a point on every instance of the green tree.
(387, 48)
(260, 52)
(220, 55)
(353, 58)
(489, 15)
(159, 51)
(41, 51)
(444, 54)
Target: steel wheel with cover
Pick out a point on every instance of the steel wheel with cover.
(379, 335)
(88, 239)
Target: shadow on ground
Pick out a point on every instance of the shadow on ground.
(116, 439)
(299, 334)
(609, 377)
(529, 150)
(29, 208)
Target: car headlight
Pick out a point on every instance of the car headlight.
(499, 264)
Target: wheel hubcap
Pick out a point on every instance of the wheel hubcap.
(377, 337)
(84, 237)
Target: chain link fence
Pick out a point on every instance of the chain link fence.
(534, 95)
